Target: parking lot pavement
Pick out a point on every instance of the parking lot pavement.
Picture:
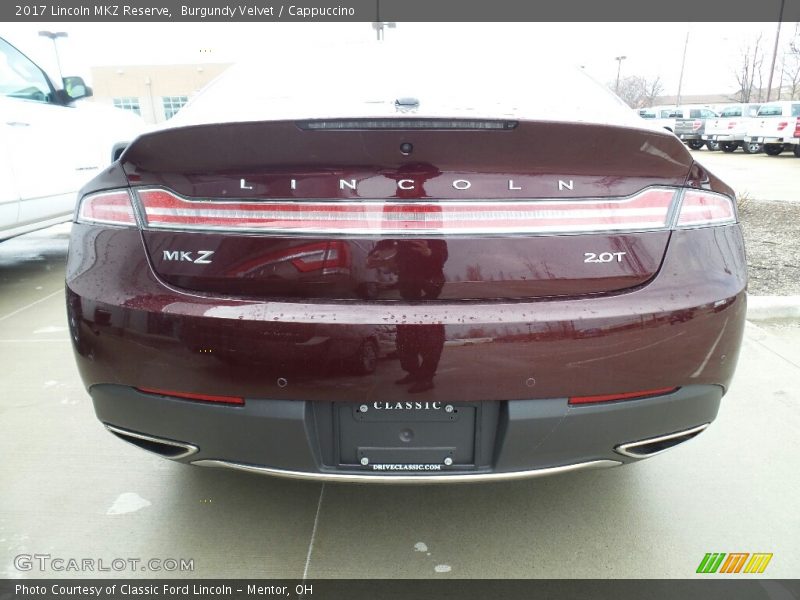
(71, 490)
(757, 176)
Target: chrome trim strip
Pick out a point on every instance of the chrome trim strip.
(625, 449)
(188, 449)
(456, 478)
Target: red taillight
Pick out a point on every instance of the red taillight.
(196, 397)
(697, 125)
(645, 210)
(700, 207)
(624, 396)
(109, 208)
(797, 128)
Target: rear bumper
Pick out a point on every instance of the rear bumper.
(790, 141)
(518, 361)
(298, 439)
(719, 137)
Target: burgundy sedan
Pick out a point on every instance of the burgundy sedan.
(464, 280)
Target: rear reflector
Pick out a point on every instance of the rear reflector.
(625, 396)
(646, 210)
(196, 397)
(110, 208)
(701, 208)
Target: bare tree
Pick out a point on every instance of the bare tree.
(790, 67)
(652, 91)
(748, 74)
(637, 91)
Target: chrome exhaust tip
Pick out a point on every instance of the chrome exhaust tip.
(657, 445)
(164, 448)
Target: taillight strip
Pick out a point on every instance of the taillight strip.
(646, 210)
(701, 208)
(108, 208)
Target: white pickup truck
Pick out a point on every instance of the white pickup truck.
(777, 126)
(729, 130)
(51, 143)
(659, 116)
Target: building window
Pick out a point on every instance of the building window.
(129, 103)
(173, 104)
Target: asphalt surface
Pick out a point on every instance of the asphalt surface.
(755, 176)
(71, 490)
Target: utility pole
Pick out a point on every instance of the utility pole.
(775, 52)
(683, 64)
(619, 60)
(54, 36)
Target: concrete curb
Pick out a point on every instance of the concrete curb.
(763, 308)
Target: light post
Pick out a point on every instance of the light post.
(380, 26)
(54, 36)
(619, 60)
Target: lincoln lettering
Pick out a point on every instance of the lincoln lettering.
(410, 184)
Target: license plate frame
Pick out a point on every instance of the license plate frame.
(388, 437)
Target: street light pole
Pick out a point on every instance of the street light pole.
(53, 36)
(379, 27)
(619, 60)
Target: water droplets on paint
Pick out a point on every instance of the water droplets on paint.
(127, 503)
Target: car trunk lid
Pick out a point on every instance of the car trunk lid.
(406, 209)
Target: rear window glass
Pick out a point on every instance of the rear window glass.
(775, 110)
(734, 111)
(796, 110)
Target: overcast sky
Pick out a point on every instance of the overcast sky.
(652, 49)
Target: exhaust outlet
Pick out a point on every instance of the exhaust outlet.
(657, 445)
(165, 448)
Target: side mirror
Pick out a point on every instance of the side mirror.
(75, 88)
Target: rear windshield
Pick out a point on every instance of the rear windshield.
(465, 84)
(796, 110)
(733, 111)
(774, 110)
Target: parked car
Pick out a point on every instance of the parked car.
(52, 143)
(690, 125)
(777, 127)
(730, 128)
(550, 308)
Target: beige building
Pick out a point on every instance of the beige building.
(156, 92)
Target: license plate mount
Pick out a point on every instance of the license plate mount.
(390, 437)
